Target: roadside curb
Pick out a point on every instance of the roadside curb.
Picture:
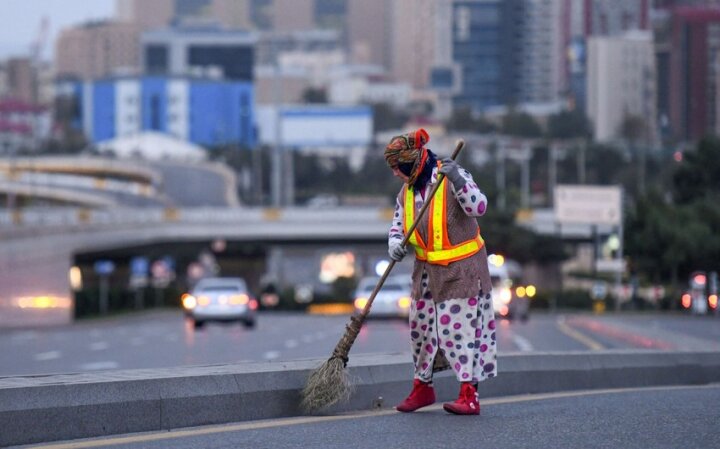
(36, 409)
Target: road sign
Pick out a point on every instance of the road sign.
(588, 204)
(104, 267)
(139, 267)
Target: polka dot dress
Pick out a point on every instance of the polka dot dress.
(463, 328)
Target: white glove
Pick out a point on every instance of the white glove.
(397, 251)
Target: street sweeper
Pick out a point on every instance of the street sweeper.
(451, 313)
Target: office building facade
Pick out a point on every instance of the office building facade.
(204, 111)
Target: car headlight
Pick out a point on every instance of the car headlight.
(505, 295)
(404, 302)
(360, 303)
(188, 301)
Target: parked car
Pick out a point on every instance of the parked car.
(393, 299)
(220, 299)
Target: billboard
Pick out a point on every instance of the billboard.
(317, 126)
(588, 204)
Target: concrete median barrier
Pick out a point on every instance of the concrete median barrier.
(36, 409)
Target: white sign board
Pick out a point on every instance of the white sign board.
(317, 126)
(588, 204)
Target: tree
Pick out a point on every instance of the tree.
(385, 117)
(568, 124)
(699, 173)
(521, 124)
(463, 119)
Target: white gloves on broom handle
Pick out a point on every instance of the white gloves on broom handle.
(397, 251)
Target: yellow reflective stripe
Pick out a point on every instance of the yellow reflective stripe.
(420, 253)
(410, 214)
(438, 218)
(461, 250)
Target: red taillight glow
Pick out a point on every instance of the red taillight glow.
(504, 310)
(253, 304)
(686, 300)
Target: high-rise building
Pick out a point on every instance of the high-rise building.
(486, 45)
(621, 82)
(98, 49)
(146, 14)
(293, 15)
(201, 110)
(694, 77)
(368, 28)
(215, 52)
(21, 79)
(233, 13)
(412, 41)
(192, 8)
(540, 77)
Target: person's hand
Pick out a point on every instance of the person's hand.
(451, 169)
(397, 251)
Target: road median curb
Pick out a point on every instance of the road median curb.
(36, 409)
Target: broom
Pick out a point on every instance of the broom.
(330, 383)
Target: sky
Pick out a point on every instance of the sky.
(20, 21)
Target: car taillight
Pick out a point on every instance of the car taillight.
(253, 304)
(686, 300)
(239, 299)
(504, 310)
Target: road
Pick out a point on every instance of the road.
(161, 339)
(652, 418)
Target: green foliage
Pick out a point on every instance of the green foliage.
(462, 119)
(385, 117)
(667, 239)
(568, 124)
(521, 124)
(699, 173)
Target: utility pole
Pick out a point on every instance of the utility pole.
(277, 153)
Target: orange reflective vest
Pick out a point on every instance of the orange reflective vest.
(441, 251)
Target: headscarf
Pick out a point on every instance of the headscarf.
(408, 153)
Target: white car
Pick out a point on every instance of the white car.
(220, 299)
(506, 303)
(393, 299)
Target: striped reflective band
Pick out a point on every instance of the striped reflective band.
(442, 251)
(459, 252)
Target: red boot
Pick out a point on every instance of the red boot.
(421, 395)
(466, 403)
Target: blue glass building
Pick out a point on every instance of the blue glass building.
(486, 44)
(204, 111)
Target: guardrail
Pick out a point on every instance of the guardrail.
(84, 165)
(68, 218)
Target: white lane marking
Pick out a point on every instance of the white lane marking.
(21, 337)
(50, 355)
(99, 365)
(270, 355)
(171, 338)
(98, 346)
(291, 344)
(522, 343)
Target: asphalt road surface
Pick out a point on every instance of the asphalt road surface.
(648, 418)
(165, 339)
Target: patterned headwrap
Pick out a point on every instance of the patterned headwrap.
(408, 150)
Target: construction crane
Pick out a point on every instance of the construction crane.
(38, 44)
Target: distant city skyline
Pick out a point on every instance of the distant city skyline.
(20, 22)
